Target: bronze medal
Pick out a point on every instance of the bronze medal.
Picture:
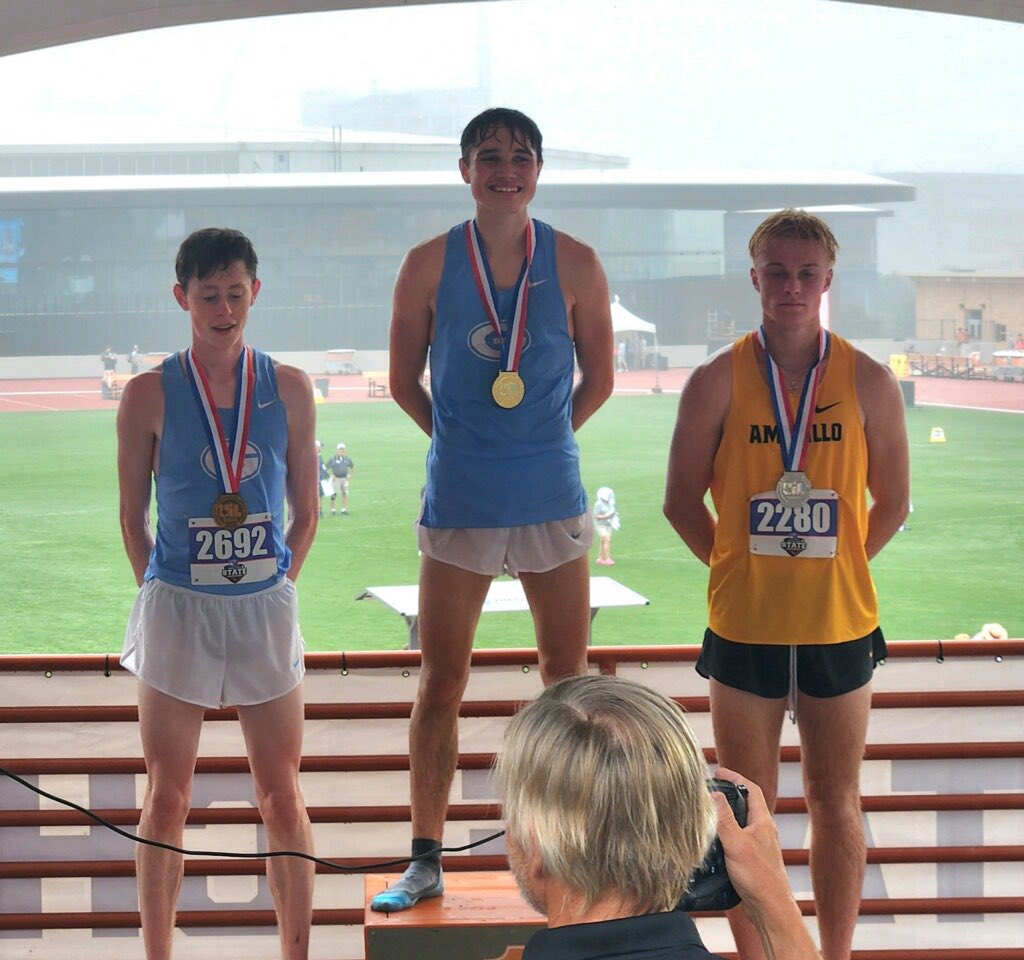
(508, 389)
(229, 510)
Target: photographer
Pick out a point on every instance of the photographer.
(608, 814)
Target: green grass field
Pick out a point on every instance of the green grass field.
(67, 587)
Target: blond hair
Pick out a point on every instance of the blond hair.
(794, 224)
(605, 779)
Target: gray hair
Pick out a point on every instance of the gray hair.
(605, 780)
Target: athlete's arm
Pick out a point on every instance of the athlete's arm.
(888, 454)
(698, 432)
(296, 393)
(585, 289)
(139, 416)
(412, 318)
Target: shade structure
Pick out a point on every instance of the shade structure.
(623, 321)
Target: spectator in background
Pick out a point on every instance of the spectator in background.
(341, 468)
(1018, 344)
(324, 487)
(109, 360)
(134, 359)
(620, 357)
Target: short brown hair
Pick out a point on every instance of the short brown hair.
(204, 252)
(795, 225)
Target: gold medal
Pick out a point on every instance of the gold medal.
(508, 389)
(229, 510)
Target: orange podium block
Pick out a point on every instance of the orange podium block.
(481, 916)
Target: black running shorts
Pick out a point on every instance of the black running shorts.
(823, 670)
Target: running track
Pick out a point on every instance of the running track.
(27, 396)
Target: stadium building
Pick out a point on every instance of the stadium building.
(87, 233)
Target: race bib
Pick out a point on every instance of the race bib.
(809, 530)
(218, 555)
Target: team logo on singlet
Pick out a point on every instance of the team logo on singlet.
(485, 343)
(250, 467)
(820, 433)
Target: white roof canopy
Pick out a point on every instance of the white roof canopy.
(624, 321)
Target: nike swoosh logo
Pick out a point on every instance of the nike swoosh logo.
(537, 283)
(828, 406)
(267, 404)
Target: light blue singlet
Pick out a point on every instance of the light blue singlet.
(488, 466)
(186, 487)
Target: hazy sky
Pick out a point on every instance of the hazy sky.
(670, 83)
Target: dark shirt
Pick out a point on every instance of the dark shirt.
(340, 465)
(656, 936)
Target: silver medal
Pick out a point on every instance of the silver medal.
(793, 488)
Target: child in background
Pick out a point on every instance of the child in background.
(606, 519)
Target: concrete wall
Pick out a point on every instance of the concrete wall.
(679, 355)
(60, 367)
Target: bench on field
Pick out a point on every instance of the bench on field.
(377, 383)
(504, 596)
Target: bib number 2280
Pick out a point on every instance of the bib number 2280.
(806, 531)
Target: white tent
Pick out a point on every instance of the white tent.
(623, 320)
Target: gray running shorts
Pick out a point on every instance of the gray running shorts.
(492, 551)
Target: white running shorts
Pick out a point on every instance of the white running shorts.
(216, 650)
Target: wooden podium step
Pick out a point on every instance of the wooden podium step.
(482, 916)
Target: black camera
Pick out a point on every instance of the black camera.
(710, 887)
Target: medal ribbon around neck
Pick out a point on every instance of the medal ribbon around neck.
(228, 459)
(512, 345)
(794, 427)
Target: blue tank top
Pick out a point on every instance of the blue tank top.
(488, 466)
(189, 549)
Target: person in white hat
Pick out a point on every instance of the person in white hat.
(341, 468)
(606, 520)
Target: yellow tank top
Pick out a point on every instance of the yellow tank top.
(795, 596)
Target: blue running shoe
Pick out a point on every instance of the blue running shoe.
(421, 881)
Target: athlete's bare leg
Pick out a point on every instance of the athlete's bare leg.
(449, 608)
(560, 604)
(747, 730)
(170, 742)
(273, 741)
(832, 735)
(450, 602)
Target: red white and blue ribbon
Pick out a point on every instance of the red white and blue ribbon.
(511, 345)
(228, 456)
(794, 425)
